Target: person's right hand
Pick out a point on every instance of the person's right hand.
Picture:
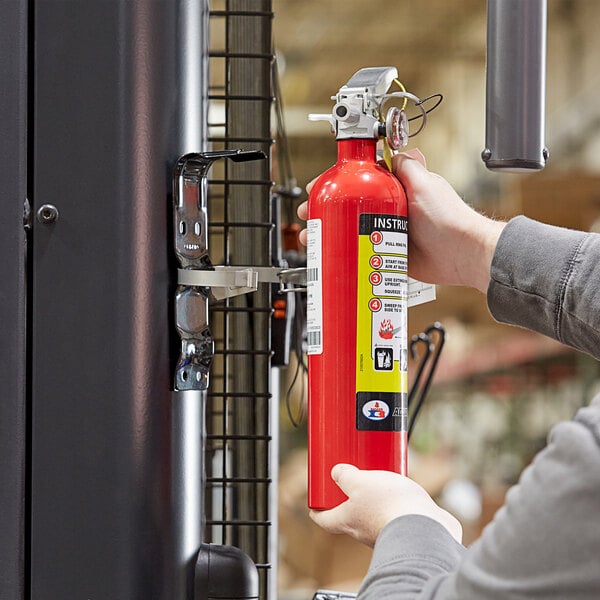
(449, 242)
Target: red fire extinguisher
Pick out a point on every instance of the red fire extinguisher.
(357, 257)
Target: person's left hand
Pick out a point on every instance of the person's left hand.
(374, 499)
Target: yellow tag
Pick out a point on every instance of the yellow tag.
(387, 154)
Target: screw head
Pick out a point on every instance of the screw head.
(486, 155)
(47, 214)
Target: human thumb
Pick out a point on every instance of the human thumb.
(410, 168)
(414, 154)
(344, 476)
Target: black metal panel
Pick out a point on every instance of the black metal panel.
(13, 189)
(106, 134)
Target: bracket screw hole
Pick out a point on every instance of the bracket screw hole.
(47, 213)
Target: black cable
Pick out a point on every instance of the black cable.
(439, 97)
(301, 368)
(435, 356)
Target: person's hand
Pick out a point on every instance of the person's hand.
(449, 242)
(374, 499)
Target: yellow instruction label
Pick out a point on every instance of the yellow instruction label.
(382, 309)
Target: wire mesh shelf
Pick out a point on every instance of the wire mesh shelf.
(241, 457)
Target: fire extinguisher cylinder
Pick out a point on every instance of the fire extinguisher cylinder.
(357, 291)
(357, 344)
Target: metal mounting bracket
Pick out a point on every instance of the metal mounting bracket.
(191, 248)
(228, 281)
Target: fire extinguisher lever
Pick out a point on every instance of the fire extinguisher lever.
(359, 110)
(191, 248)
(374, 80)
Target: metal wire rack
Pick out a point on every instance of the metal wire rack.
(242, 418)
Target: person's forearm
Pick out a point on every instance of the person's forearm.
(547, 279)
(411, 554)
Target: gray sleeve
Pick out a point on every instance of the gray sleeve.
(544, 543)
(547, 279)
(411, 552)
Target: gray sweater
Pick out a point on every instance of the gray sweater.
(545, 542)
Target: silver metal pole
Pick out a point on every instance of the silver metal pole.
(188, 405)
(515, 86)
(192, 61)
(187, 469)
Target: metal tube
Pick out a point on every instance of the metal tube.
(515, 86)
(187, 472)
(188, 407)
(192, 62)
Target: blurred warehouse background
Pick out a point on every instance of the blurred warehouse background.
(498, 389)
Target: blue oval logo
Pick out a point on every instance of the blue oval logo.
(376, 410)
